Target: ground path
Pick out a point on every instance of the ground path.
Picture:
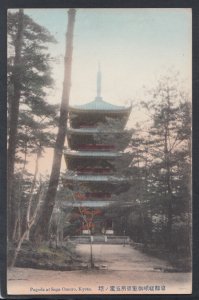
(121, 258)
(126, 270)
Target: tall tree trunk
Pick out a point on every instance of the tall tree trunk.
(29, 225)
(17, 227)
(28, 214)
(43, 225)
(14, 113)
(169, 208)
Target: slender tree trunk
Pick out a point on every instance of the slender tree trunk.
(28, 214)
(42, 229)
(29, 225)
(169, 208)
(168, 188)
(84, 217)
(17, 226)
(14, 113)
(18, 248)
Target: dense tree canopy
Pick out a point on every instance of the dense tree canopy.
(36, 115)
(157, 209)
(31, 119)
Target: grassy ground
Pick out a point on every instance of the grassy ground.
(48, 257)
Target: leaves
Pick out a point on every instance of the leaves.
(37, 117)
(159, 198)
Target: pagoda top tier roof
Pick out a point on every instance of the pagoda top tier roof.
(99, 105)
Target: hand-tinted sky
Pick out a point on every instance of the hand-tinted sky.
(134, 47)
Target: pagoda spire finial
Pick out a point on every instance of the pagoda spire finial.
(99, 82)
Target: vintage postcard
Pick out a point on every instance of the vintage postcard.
(99, 151)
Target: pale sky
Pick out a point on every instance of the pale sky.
(134, 47)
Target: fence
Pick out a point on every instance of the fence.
(100, 239)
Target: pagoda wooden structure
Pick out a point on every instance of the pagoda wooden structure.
(97, 139)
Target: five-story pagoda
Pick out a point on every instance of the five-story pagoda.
(96, 143)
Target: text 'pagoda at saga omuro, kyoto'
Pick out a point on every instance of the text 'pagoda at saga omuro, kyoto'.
(97, 140)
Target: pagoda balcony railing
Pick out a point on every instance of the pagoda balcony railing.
(87, 196)
(94, 171)
(95, 147)
(87, 126)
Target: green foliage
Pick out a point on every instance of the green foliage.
(35, 68)
(37, 118)
(159, 201)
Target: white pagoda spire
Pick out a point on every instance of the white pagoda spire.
(99, 82)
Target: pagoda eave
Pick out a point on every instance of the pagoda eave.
(95, 178)
(90, 204)
(99, 111)
(92, 154)
(91, 131)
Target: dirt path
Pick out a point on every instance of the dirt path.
(120, 258)
(126, 271)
